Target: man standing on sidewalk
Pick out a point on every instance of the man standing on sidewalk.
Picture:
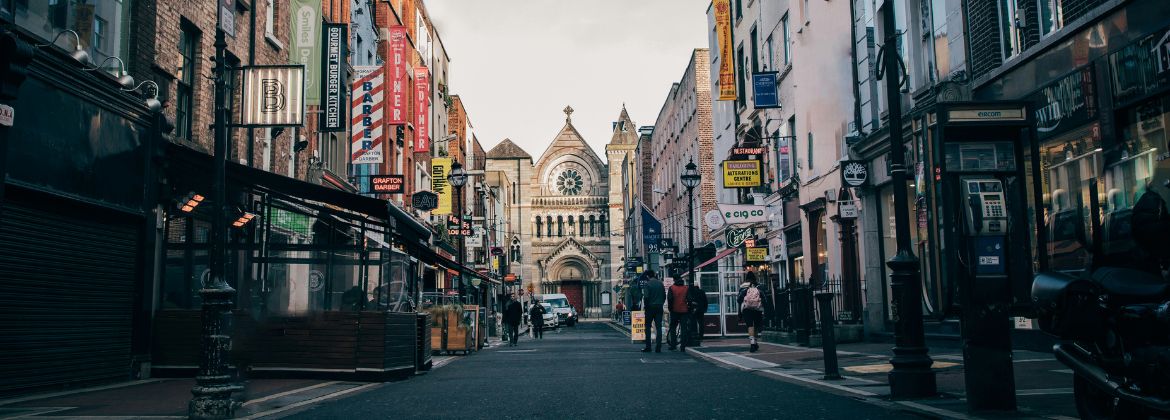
(679, 319)
(652, 299)
(697, 299)
(536, 315)
(512, 315)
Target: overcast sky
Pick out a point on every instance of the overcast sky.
(517, 63)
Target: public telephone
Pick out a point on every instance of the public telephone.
(986, 211)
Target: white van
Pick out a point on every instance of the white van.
(566, 314)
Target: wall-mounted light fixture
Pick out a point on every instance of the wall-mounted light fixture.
(152, 102)
(189, 202)
(244, 219)
(78, 53)
(124, 79)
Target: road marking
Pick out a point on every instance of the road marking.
(516, 351)
(935, 410)
(886, 367)
(1033, 360)
(76, 391)
(274, 396)
(1068, 371)
(747, 361)
(1044, 391)
(312, 401)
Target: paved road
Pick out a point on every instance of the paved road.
(592, 371)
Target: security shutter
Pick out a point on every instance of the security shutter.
(67, 277)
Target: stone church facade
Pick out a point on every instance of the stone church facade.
(568, 224)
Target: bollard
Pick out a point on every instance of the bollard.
(828, 339)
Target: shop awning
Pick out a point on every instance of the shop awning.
(718, 256)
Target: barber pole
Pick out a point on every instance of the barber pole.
(366, 143)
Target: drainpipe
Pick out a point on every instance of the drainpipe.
(853, 59)
(252, 62)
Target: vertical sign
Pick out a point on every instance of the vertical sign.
(398, 76)
(651, 231)
(367, 133)
(336, 40)
(305, 45)
(439, 168)
(273, 96)
(422, 110)
(764, 89)
(726, 55)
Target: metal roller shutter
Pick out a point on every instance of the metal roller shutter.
(67, 279)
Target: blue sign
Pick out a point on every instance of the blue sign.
(651, 232)
(990, 255)
(625, 317)
(765, 94)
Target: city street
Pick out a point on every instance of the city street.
(592, 371)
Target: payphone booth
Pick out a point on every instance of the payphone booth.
(982, 184)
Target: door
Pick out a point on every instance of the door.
(575, 293)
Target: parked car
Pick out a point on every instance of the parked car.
(566, 313)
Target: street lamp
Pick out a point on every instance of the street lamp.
(458, 178)
(690, 179)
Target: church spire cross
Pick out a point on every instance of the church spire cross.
(568, 114)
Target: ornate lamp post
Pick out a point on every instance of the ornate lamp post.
(690, 179)
(458, 178)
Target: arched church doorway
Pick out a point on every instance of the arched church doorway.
(571, 277)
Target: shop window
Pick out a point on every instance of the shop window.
(1131, 169)
(1071, 166)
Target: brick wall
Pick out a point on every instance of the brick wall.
(984, 36)
(706, 130)
(1075, 9)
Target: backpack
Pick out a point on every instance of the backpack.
(751, 300)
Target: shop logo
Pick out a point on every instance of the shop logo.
(854, 173)
(272, 96)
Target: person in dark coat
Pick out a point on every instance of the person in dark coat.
(677, 300)
(697, 301)
(536, 316)
(512, 314)
(653, 297)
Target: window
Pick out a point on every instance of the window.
(560, 226)
(270, 18)
(184, 98)
(738, 9)
(515, 250)
(548, 226)
(1051, 16)
(755, 51)
(581, 225)
(99, 34)
(787, 40)
(810, 150)
(592, 225)
(538, 225)
(741, 97)
(771, 59)
(1009, 33)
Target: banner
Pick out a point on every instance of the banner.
(336, 40)
(422, 110)
(741, 173)
(273, 96)
(305, 45)
(726, 52)
(399, 79)
(638, 326)
(651, 231)
(367, 127)
(742, 213)
(765, 94)
(439, 169)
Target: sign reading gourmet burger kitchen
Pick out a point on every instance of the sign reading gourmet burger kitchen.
(386, 184)
(333, 93)
(366, 143)
(274, 96)
(422, 110)
(399, 79)
(741, 173)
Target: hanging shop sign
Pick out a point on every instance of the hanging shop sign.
(847, 209)
(422, 110)
(386, 184)
(741, 173)
(764, 92)
(714, 219)
(742, 213)
(456, 228)
(333, 117)
(854, 173)
(726, 57)
(439, 169)
(748, 151)
(475, 239)
(7, 115)
(651, 231)
(367, 129)
(497, 251)
(424, 200)
(305, 45)
(736, 237)
(1066, 104)
(509, 278)
(274, 96)
(398, 77)
(756, 254)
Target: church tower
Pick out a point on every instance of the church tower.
(621, 152)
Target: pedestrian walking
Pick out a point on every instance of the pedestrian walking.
(512, 314)
(652, 300)
(751, 308)
(697, 299)
(679, 315)
(536, 315)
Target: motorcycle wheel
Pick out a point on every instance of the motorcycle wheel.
(1094, 403)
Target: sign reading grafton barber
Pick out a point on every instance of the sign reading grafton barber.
(386, 184)
(399, 79)
(743, 214)
(333, 119)
(274, 96)
(366, 143)
(422, 110)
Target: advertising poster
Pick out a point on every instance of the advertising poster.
(741, 173)
(637, 326)
(399, 79)
(439, 169)
(305, 45)
(422, 110)
(367, 127)
(726, 55)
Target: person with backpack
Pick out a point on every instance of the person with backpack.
(697, 302)
(751, 308)
(679, 315)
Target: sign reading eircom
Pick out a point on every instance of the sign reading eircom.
(741, 173)
(757, 254)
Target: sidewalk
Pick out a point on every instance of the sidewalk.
(1043, 385)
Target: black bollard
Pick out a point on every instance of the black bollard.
(828, 338)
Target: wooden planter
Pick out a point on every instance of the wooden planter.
(450, 333)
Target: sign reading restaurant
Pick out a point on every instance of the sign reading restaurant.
(741, 173)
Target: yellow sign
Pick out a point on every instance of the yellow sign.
(758, 254)
(726, 57)
(741, 173)
(439, 169)
(637, 326)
